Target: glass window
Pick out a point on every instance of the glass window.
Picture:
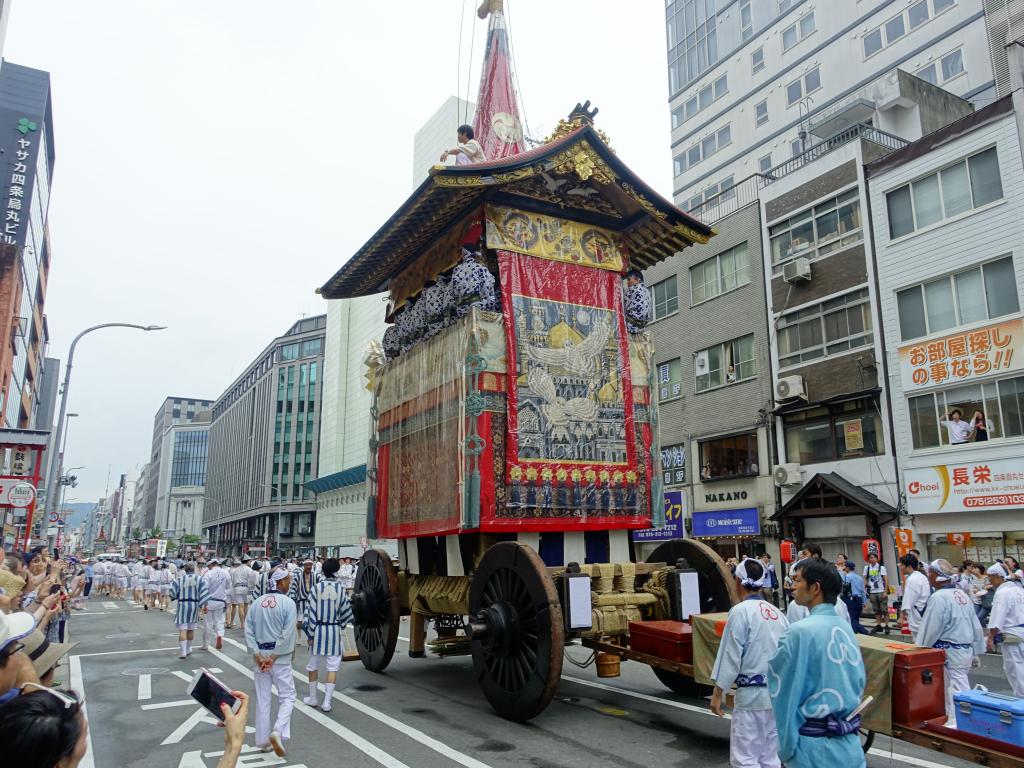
(982, 293)
(872, 42)
(691, 107)
(831, 327)
(952, 65)
(665, 297)
(721, 86)
(986, 185)
(794, 92)
(941, 5)
(719, 274)
(918, 14)
(725, 363)
(924, 421)
(312, 347)
(727, 457)
(765, 163)
(812, 81)
(705, 97)
(289, 352)
(930, 204)
(894, 29)
(928, 74)
(789, 37)
(806, 24)
(842, 431)
(724, 137)
(756, 61)
(670, 379)
(817, 231)
(761, 113)
(1001, 405)
(1011, 406)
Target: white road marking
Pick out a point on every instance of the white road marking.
(179, 733)
(145, 687)
(101, 613)
(78, 685)
(357, 741)
(112, 606)
(427, 741)
(679, 705)
(133, 650)
(183, 675)
(168, 704)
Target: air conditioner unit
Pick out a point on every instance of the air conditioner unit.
(797, 270)
(700, 362)
(790, 388)
(786, 474)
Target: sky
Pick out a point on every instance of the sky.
(218, 160)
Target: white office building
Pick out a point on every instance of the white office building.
(751, 82)
(438, 134)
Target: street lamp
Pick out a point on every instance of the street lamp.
(51, 480)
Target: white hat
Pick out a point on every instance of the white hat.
(14, 626)
(997, 569)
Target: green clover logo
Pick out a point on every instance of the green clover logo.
(25, 125)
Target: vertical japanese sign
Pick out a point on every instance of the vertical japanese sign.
(21, 145)
(674, 527)
(963, 356)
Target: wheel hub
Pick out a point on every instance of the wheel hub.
(364, 607)
(496, 627)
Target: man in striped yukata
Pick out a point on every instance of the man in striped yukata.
(327, 613)
(263, 585)
(302, 584)
(190, 592)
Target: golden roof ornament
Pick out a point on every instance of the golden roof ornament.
(580, 116)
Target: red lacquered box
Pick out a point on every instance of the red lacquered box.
(918, 685)
(671, 640)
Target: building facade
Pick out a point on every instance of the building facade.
(749, 78)
(26, 139)
(173, 410)
(263, 447)
(182, 477)
(715, 386)
(948, 221)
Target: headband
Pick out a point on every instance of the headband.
(745, 580)
(279, 574)
(940, 574)
(997, 569)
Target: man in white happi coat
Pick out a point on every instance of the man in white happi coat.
(218, 586)
(750, 639)
(916, 591)
(1007, 622)
(124, 575)
(347, 575)
(190, 593)
(270, 638)
(950, 623)
(238, 597)
(327, 613)
(140, 575)
(796, 612)
(151, 589)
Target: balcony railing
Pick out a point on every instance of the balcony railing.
(747, 191)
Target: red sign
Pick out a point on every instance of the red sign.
(959, 539)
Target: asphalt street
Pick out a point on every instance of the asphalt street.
(419, 713)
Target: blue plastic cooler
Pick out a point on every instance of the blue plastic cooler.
(992, 715)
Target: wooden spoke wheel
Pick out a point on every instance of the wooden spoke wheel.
(375, 609)
(682, 684)
(516, 632)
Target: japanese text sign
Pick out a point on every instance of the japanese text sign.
(673, 528)
(965, 487)
(20, 144)
(963, 356)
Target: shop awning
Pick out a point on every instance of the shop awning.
(828, 494)
(343, 479)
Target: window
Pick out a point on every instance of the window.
(952, 65)
(728, 457)
(719, 274)
(980, 293)
(797, 31)
(665, 297)
(692, 41)
(761, 113)
(725, 363)
(816, 232)
(942, 5)
(703, 99)
(830, 328)
(1000, 402)
(799, 88)
(756, 61)
(971, 183)
(746, 20)
(842, 431)
(872, 42)
(289, 352)
(704, 149)
(670, 380)
(897, 27)
(765, 163)
(785, 5)
(917, 14)
(894, 29)
(312, 347)
(673, 464)
(796, 146)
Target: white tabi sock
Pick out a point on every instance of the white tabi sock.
(329, 688)
(312, 690)
(184, 646)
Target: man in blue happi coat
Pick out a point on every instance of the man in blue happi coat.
(327, 614)
(191, 594)
(816, 678)
(270, 638)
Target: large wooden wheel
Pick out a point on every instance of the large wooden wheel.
(375, 609)
(515, 628)
(717, 593)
